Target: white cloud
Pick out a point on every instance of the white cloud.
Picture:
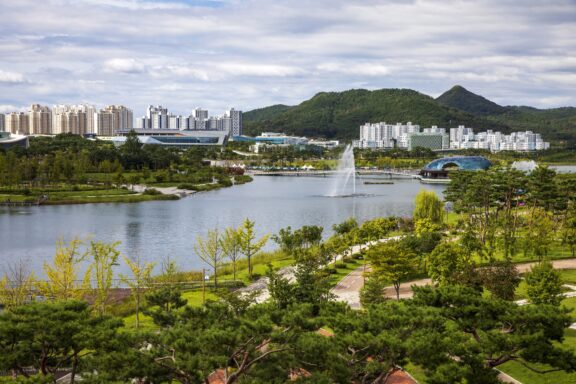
(124, 66)
(11, 77)
(255, 53)
(11, 108)
(360, 69)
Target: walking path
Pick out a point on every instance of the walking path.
(348, 289)
(261, 285)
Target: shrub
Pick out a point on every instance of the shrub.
(152, 192)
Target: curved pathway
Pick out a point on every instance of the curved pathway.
(348, 289)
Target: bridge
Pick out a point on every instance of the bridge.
(391, 173)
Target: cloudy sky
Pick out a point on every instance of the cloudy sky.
(254, 53)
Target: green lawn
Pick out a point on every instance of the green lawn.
(343, 269)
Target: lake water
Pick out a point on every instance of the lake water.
(158, 229)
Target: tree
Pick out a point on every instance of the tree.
(104, 257)
(230, 243)
(393, 262)
(539, 233)
(372, 292)
(376, 229)
(133, 157)
(62, 274)
(249, 246)
(345, 227)
(445, 261)
(164, 302)
(138, 282)
(544, 284)
(501, 279)
(429, 206)
(569, 228)
(17, 285)
(48, 336)
(542, 189)
(209, 249)
(484, 333)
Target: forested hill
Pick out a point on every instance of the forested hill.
(460, 98)
(339, 114)
(265, 113)
(556, 124)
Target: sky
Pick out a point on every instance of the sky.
(250, 54)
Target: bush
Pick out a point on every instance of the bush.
(152, 192)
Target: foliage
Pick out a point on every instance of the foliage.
(48, 336)
(393, 261)
(501, 279)
(446, 261)
(17, 285)
(62, 274)
(544, 284)
(230, 242)
(104, 257)
(164, 303)
(372, 292)
(249, 246)
(345, 227)
(460, 98)
(428, 206)
(294, 242)
(210, 251)
(376, 229)
(138, 282)
(482, 333)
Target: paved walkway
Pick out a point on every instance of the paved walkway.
(348, 289)
(261, 285)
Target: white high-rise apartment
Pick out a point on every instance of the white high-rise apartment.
(382, 135)
(199, 113)
(17, 123)
(235, 123)
(157, 117)
(114, 118)
(2, 122)
(77, 119)
(40, 118)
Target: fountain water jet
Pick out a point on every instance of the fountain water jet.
(345, 177)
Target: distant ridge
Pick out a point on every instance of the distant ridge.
(338, 115)
(265, 113)
(464, 100)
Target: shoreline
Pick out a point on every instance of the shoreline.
(135, 194)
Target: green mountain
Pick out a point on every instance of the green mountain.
(265, 113)
(340, 114)
(460, 98)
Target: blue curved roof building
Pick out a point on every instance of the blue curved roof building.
(438, 169)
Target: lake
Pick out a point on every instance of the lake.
(158, 229)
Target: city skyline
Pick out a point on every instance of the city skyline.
(220, 54)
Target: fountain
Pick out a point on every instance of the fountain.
(344, 181)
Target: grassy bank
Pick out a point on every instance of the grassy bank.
(80, 195)
(62, 193)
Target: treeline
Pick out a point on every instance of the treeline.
(70, 159)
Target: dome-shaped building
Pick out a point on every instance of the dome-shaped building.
(438, 170)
